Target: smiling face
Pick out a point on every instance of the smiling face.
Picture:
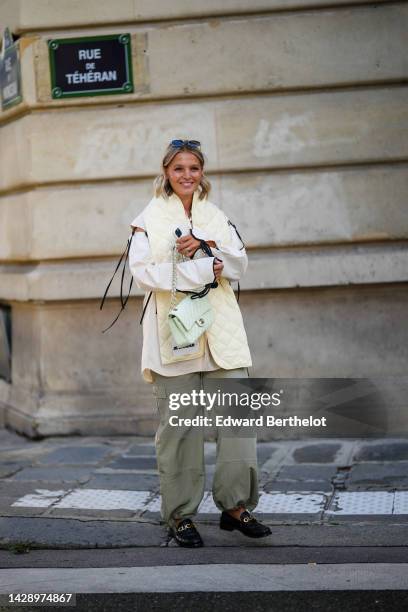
(184, 173)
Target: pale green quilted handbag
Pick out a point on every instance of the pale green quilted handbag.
(191, 317)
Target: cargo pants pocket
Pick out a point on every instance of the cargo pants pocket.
(160, 394)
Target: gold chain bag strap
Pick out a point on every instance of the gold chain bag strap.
(192, 316)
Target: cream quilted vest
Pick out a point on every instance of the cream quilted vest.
(226, 337)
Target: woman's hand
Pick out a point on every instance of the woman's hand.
(218, 267)
(187, 245)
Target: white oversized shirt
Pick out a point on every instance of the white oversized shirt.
(191, 276)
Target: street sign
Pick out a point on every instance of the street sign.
(90, 66)
(10, 73)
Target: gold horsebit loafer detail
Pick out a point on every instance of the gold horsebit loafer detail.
(186, 534)
(185, 526)
(246, 524)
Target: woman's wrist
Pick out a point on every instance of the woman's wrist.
(201, 236)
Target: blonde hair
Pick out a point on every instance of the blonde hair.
(162, 185)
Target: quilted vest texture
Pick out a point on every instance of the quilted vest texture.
(226, 337)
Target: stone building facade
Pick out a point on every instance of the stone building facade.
(302, 110)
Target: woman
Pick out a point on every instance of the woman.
(181, 208)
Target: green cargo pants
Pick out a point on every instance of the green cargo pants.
(180, 454)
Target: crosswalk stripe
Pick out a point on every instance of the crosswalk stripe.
(215, 577)
(341, 503)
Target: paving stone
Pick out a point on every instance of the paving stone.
(210, 459)
(210, 451)
(130, 482)
(8, 469)
(379, 475)
(15, 460)
(104, 499)
(209, 475)
(209, 447)
(21, 511)
(207, 506)
(79, 534)
(41, 498)
(307, 472)
(385, 451)
(52, 533)
(76, 455)
(264, 453)
(137, 450)
(134, 463)
(11, 491)
(295, 503)
(276, 503)
(89, 514)
(23, 454)
(316, 453)
(97, 503)
(289, 486)
(54, 474)
(400, 502)
(10, 439)
(361, 503)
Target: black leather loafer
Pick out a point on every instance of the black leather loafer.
(246, 524)
(186, 534)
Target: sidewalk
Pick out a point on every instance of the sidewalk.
(338, 511)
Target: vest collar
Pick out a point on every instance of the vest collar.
(176, 201)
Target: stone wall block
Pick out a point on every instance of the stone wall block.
(237, 134)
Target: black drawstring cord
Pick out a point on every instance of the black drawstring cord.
(238, 234)
(122, 301)
(195, 295)
(199, 294)
(207, 250)
(243, 247)
(145, 306)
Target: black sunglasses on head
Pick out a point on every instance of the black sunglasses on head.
(194, 144)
